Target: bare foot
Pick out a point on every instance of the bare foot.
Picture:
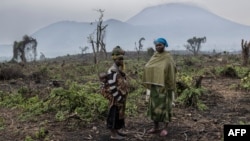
(163, 133)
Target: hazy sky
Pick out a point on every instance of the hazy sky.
(20, 17)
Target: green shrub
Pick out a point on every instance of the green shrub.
(191, 97)
(81, 99)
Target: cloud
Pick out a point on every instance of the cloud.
(19, 17)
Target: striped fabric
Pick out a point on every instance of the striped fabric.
(112, 81)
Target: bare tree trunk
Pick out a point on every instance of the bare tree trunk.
(98, 46)
(94, 52)
(245, 52)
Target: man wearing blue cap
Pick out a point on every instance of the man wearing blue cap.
(160, 78)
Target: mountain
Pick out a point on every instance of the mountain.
(66, 37)
(179, 22)
(176, 22)
(61, 38)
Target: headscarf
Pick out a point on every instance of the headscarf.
(117, 52)
(162, 41)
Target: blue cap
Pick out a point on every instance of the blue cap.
(162, 41)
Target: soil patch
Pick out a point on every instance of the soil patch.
(226, 106)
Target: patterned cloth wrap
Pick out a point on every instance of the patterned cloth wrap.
(104, 86)
(114, 86)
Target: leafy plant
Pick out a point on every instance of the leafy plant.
(244, 123)
(191, 97)
(28, 138)
(41, 133)
(81, 99)
(245, 82)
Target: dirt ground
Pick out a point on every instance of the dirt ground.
(226, 106)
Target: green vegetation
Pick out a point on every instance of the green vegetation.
(72, 90)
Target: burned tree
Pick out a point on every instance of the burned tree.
(25, 49)
(245, 51)
(138, 49)
(91, 41)
(84, 50)
(194, 44)
(98, 45)
(42, 56)
(150, 51)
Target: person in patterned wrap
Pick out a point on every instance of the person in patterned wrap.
(160, 78)
(115, 89)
